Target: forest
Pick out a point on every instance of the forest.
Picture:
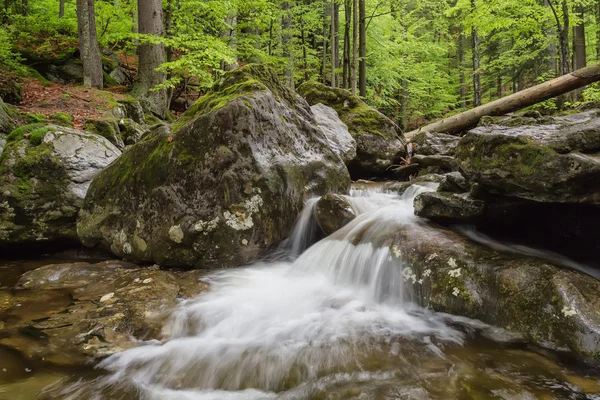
(415, 61)
(299, 199)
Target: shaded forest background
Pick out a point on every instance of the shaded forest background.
(415, 60)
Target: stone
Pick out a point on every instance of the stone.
(333, 212)
(380, 142)
(558, 162)
(446, 272)
(448, 207)
(107, 128)
(336, 131)
(444, 163)
(433, 143)
(107, 308)
(223, 187)
(6, 126)
(129, 108)
(454, 182)
(44, 182)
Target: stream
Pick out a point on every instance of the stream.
(329, 320)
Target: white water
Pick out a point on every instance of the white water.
(284, 329)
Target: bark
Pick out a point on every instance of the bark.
(151, 56)
(565, 57)
(287, 43)
(347, 26)
(325, 42)
(362, 48)
(354, 63)
(304, 52)
(461, 71)
(476, 65)
(229, 34)
(61, 8)
(597, 9)
(556, 87)
(579, 55)
(333, 40)
(88, 44)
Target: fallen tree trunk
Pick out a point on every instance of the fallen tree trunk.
(547, 90)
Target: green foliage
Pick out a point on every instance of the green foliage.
(9, 57)
(37, 136)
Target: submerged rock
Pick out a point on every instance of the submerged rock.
(71, 314)
(43, 180)
(333, 212)
(224, 187)
(336, 131)
(380, 143)
(557, 162)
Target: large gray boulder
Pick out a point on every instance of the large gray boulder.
(380, 142)
(224, 187)
(336, 131)
(433, 143)
(43, 180)
(554, 162)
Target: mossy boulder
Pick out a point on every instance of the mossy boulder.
(336, 131)
(224, 187)
(6, 125)
(44, 176)
(380, 142)
(545, 163)
(107, 128)
(446, 272)
(448, 207)
(433, 143)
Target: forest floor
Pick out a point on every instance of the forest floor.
(81, 102)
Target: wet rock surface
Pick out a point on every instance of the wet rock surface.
(71, 314)
(224, 187)
(333, 212)
(336, 131)
(380, 142)
(447, 272)
(432, 143)
(448, 207)
(44, 179)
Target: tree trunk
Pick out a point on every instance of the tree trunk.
(333, 40)
(347, 24)
(230, 36)
(565, 56)
(461, 71)
(287, 43)
(151, 56)
(61, 8)
(304, 52)
(579, 50)
(597, 8)
(88, 44)
(476, 64)
(325, 40)
(556, 87)
(354, 64)
(362, 48)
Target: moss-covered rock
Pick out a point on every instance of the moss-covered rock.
(433, 143)
(554, 163)
(224, 187)
(107, 128)
(380, 143)
(44, 175)
(6, 125)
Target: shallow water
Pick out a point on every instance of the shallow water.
(332, 323)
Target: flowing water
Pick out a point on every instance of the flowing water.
(329, 321)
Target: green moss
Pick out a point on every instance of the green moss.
(33, 118)
(109, 80)
(62, 119)
(37, 136)
(21, 131)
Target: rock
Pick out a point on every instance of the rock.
(448, 207)
(6, 126)
(221, 189)
(454, 182)
(336, 131)
(446, 272)
(557, 162)
(44, 179)
(130, 108)
(444, 163)
(107, 128)
(109, 307)
(432, 143)
(380, 143)
(131, 131)
(333, 212)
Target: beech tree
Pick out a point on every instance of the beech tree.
(151, 57)
(88, 44)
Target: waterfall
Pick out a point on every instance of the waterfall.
(279, 329)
